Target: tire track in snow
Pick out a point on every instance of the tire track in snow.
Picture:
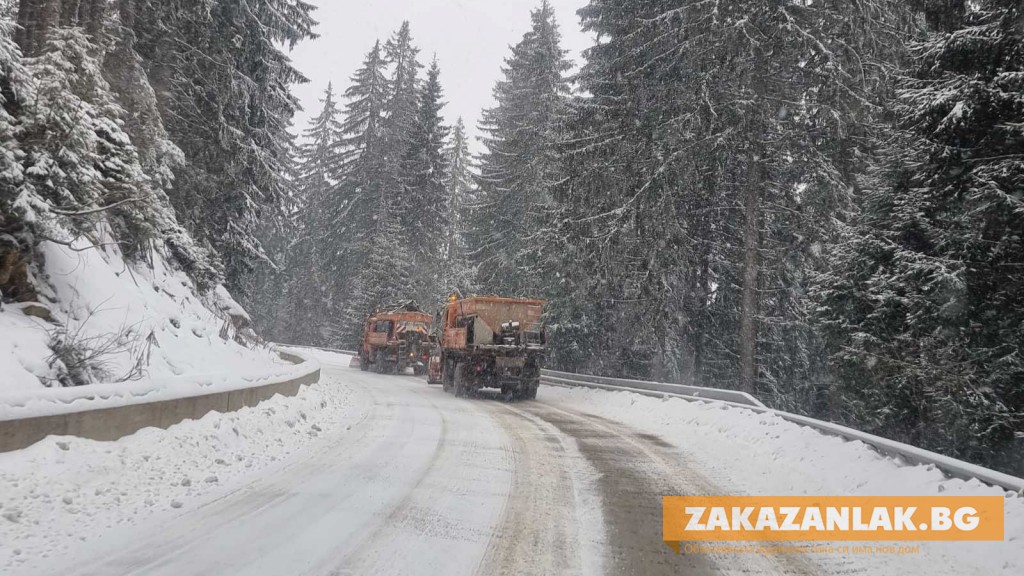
(451, 506)
(636, 471)
(544, 526)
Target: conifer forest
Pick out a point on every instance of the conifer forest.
(819, 202)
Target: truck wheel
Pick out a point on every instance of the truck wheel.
(530, 393)
(380, 366)
(508, 393)
(448, 375)
(461, 386)
(364, 362)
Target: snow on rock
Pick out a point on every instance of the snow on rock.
(147, 322)
(762, 454)
(54, 498)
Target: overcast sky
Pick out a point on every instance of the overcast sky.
(470, 37)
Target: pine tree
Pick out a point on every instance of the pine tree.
(456, 271)
(17, 200)
(80, 170)
(423, 212)
(400, 117)
(223, 89)
(355, 209)
(79, 159)
(309, 298)
(922, 304)
(521, 163)
(402, 105)
(382, 278)
(677, 215)
(362, 128)
(381, 121)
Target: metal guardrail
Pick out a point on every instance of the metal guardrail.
(681, 389)
(910, 454)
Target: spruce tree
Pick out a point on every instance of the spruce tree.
(423, 207)
(456, 269)
(400, 118)
(708, 156)
(17, 200)
(223, 90)
(357, 201)
(309, 296)
(521, 163)
(402, 105)
(922, 304)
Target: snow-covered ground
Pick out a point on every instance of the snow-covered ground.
(140, 322)
(61, 493)
(762, 454)
(367, 473)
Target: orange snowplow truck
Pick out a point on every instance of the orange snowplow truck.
(395, 339)
(490, 342)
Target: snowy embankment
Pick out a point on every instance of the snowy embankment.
(104, 320)
(64, 492)
(762, 454)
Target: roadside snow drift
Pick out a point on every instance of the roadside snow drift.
(64, 492)
(764, 455)
(135, 322)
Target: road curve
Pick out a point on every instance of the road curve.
(425, 483)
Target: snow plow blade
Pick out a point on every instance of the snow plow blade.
(354, 362)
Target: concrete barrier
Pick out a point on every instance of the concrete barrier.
(106, 424)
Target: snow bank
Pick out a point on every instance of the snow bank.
(325, 357)
(148, 322)
(64, 492)
(746, 452)
(54, 401)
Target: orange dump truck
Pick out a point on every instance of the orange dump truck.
(490, 342)
(396, 339)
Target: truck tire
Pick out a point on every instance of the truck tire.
(461, 385)
(364, 362)
(448, 375)
(380, 366)
(530, 393)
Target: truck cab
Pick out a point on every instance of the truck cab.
(395, 339)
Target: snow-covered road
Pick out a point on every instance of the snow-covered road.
(415, 481)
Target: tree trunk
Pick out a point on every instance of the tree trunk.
(24, 34)
(748, 311)
(90, 16)
(69, 12)
(36, 18)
